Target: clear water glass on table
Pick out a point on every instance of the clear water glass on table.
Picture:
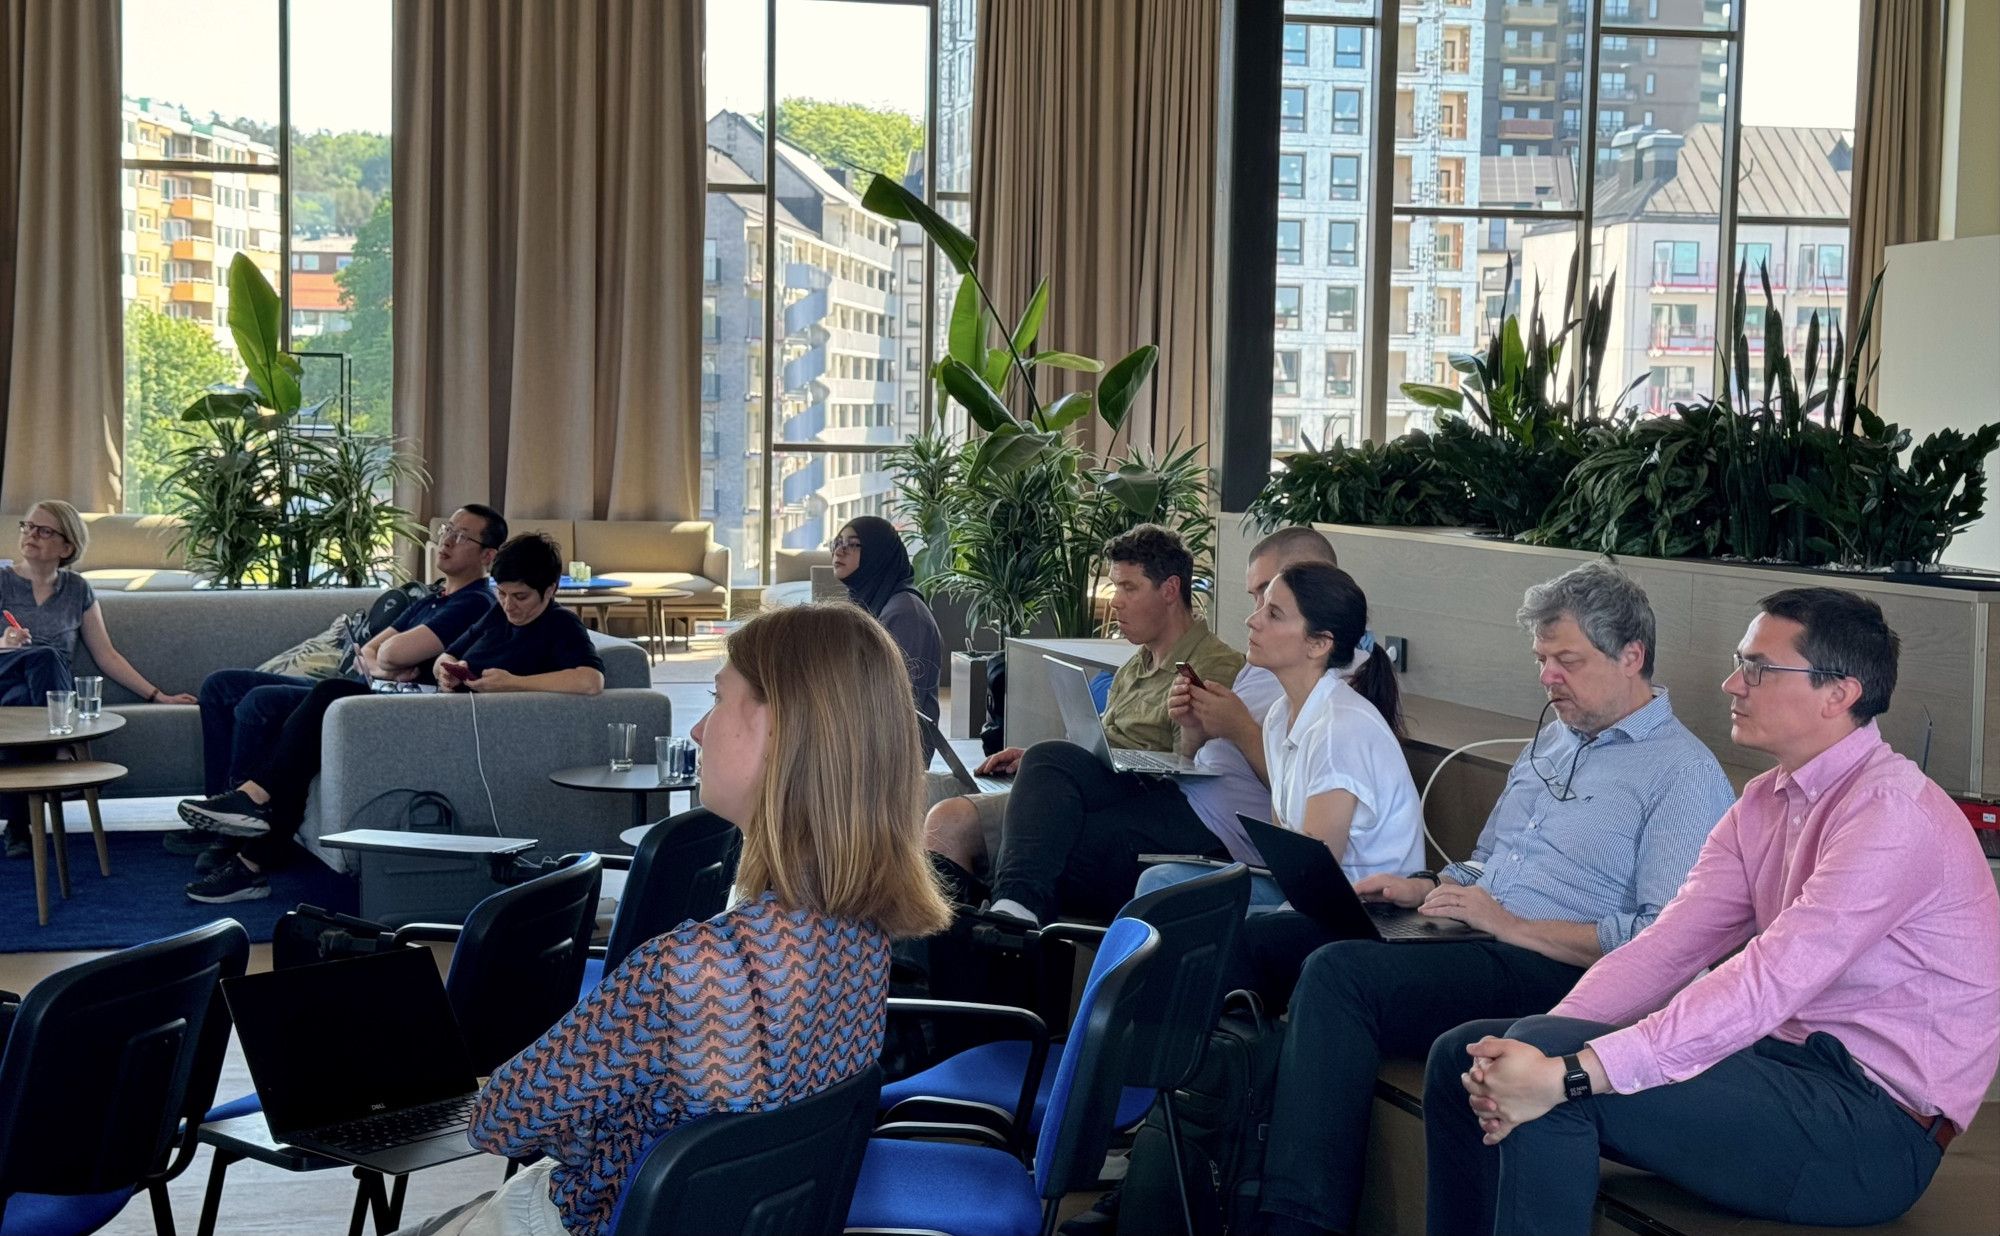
(89, 697)
(622, 736)
(678, 758)
(62, 712)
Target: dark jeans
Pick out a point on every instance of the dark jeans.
(1271, 950)
(1075, 830)
(241, 711)
(1357, 1001)
(27, 675)
(289, 767)
(1788, 1131)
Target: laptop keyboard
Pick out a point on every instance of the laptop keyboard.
(400, 1128)
(1147, 761)
(1396, 923)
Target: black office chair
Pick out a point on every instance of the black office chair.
(681, 870)
(514, 973)
(108, 1068)
(789, 1171)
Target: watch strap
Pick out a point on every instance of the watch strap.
(1576, 1082)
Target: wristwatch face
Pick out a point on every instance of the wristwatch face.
(1576, 1082)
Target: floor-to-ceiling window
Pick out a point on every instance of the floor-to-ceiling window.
(818, 315)
(258, 127)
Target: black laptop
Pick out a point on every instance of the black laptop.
(360, 1060)
(1317, 887)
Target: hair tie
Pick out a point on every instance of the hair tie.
(1366, 642)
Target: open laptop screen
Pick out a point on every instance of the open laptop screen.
(347, 1039)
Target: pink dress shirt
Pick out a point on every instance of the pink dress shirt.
(1863, 908)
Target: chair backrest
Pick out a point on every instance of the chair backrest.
(789, 1171)
(1198, 922)
(1090, 1077)
(107, 1058)
(682, 870)
(519, 960)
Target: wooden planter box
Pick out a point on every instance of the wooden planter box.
(1453, 595)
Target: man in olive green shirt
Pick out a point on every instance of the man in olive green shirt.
(1071, 830)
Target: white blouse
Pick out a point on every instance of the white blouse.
(1341, 742)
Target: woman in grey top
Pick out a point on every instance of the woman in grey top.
(869, 557)
(54, 608)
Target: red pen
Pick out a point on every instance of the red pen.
(12, 621)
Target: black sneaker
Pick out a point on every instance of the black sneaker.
(214, 855)
(233, 814)
(186, 842)
(230, 882)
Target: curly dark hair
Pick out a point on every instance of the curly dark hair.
(1159, 553)
(531, 559)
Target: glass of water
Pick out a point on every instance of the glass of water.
(89, 697)
(622, 735)
(62, 712)
(678, 758)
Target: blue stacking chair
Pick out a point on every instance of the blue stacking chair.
(514, 973)
(1004, 1085)
(910, 1186)
(104, 1076)
(789, 1171)
(681, 870)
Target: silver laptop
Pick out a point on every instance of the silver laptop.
(826, 586)
(969, 780)
(1082, 726)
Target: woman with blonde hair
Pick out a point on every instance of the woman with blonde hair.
(779, 996)
(50, 607)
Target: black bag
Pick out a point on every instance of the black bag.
(309, 935)
(1225, 1119)
(390, 605)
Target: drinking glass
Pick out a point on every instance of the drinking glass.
(89, 697)
(622, 735)
(678, 759)
(62, 712)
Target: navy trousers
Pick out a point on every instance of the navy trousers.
(27, 675)
(242, 711)
(1794, 1132)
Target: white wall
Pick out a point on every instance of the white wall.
(1940, 327)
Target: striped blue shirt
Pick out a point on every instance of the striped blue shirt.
(1645, 791)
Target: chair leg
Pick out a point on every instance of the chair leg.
(211, 1200)
(38, 850)
(395, 1215)
(97, 834)
(1173, 1122)
(366, 1186)
(61, 843)
(163, 1211)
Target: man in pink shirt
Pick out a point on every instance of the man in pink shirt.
(1848, 1020)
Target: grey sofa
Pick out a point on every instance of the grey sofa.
(378, 743)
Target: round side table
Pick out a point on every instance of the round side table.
(656, 614)
(638, 781)
(46, 783)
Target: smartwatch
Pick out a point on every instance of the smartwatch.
(1576, 1082)
(1432, 876)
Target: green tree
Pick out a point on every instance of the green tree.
(168, 362)
(366, 291)
(849, 135)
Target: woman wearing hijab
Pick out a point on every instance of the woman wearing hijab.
(869, 557)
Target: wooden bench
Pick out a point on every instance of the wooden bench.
(1964, 1196)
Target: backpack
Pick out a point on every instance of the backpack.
(1225, 1119)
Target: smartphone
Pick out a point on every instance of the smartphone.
(460, 670)
(1187, 671)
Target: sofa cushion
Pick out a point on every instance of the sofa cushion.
(317, 657)
(178, 638)
(561, 531)
(622, 546)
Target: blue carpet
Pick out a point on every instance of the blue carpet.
(142, 898)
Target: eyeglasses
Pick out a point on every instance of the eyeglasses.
(845, 542)
(447, 536)
(41, 532)
(1547, 768)
(1753, 671)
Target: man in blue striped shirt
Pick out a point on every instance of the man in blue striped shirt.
(1600, 821)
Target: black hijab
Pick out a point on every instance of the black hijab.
(885, 565)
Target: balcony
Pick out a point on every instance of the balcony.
(1533, 92)
(798, 486)
(806, 426)
(1526, 54)
(194, 249)
(1615, 94)
(193, 209)
(192, 292)
(1700, 279)
(1682, 340)
(1528, 130)
(806, 311)
(1539, 14)
(805, 369)
(810, 534)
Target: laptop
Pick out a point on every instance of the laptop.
(359, 1060)
(1316, 886)
(1082, 726)
(969, 780)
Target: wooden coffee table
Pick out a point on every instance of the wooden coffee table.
(46, 783)
(656, 600)
(29, 727)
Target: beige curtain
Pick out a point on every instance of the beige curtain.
(1094, 164)
(62, 417)
(1899, 135)
(548, 171)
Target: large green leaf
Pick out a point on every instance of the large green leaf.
(965, 385)
(1121, 385)
(255, 321)
(221, 403)
(1066, 360)
(1136, 488)
(1067, 410)
(966, 340)
(1007, 451)
(887, 198)
(1029, 328)
(1444, 397)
